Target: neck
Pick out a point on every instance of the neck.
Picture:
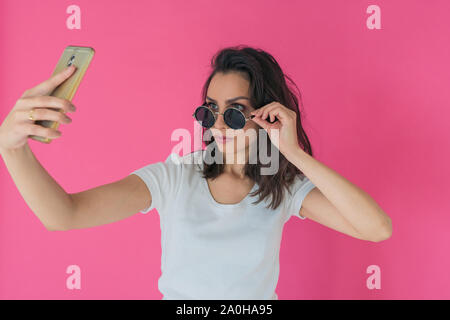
(235, 166)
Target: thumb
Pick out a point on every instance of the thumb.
(50, 84)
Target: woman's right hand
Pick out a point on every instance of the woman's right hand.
(16, 127)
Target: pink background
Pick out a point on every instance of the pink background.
(376, 111)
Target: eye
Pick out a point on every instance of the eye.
(236, 105)
(239, 106)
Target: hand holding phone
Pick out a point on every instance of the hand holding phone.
(80, 57)
(17, 126)
(39, 111)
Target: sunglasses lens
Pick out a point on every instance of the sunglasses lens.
(205, 117)
(234, 119)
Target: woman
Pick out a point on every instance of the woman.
(221, 221)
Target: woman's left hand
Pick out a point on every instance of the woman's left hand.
(286, 124)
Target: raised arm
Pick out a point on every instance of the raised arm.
(54, 207)
(108, 203)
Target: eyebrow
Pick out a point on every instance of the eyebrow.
(230, 100)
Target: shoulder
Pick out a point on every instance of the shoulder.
(298, 182)
(188, 160)
(298, 188)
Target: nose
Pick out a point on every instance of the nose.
(220, 128)
(220, 123)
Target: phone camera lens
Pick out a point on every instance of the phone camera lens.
(71, 61)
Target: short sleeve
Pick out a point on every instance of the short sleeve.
(293, 202)
(162, 180)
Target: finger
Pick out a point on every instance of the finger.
(46, 102)
(261, 109)
(266, 111)
(263, 124)
(38, 130)
(283, 115)
(45, 114)
(50, 84)
(280, 112)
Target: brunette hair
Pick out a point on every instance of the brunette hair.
(267, 84)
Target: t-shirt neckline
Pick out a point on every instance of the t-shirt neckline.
(223, 205)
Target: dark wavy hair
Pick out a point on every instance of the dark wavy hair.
(267, 84)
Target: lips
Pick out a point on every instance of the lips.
(222, 138)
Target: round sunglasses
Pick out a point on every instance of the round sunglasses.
(233, 117)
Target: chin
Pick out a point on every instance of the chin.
(226, 147)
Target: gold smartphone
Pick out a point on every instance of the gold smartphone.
(72, 55)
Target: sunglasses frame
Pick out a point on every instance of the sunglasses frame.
(215, 113)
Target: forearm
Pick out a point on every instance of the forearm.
(355, 205)
(45, 197)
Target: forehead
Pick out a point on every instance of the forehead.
(226, 86)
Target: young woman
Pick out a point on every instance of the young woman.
(221, 221)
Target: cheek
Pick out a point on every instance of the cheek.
(252, 126)
(250, 133)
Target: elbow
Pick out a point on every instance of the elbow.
(51, 228)
(48, 227)
(64, 225)
(56, 228)
(384, 232)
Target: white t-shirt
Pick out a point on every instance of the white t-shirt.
(211, 250)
